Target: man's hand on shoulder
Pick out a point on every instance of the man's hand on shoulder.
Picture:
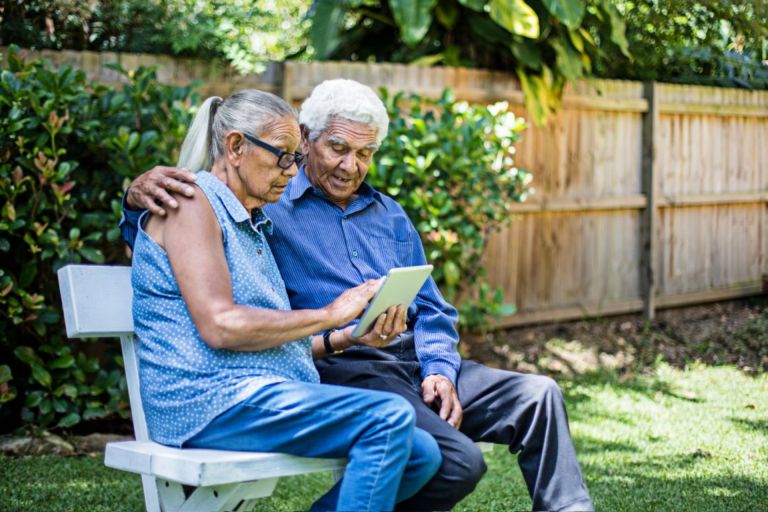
(155, 188)
(438, 390)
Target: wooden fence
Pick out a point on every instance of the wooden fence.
(647, 195)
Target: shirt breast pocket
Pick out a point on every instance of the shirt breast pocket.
(387, 253)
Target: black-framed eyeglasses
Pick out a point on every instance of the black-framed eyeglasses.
(284, 159)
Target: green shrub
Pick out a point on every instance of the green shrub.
(67, 149)
(450, 165)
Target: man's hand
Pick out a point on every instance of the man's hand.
(438, 390)
(387, 327)
(153, 189)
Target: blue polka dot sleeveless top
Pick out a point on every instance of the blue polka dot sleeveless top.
(184, 383)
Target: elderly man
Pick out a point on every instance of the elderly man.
(332, 231)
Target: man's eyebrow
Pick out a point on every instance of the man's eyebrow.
(335, 139)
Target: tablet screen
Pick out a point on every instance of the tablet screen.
(400, 287)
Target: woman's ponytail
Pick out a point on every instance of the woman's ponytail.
(195, 152)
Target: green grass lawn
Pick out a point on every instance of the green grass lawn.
(693, 440)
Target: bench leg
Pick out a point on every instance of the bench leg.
(246, 505)
(217, 498)
(151, 497)
(338, 474)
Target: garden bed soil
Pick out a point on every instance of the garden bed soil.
(731, 333)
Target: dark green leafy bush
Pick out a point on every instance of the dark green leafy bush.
(67, 149)
(450, 165)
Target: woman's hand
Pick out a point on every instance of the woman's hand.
(388, 326)
(351, 303)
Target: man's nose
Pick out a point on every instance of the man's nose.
(349, 162)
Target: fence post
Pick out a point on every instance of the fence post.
(285, 86)
(649, 221)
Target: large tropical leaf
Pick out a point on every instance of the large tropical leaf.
(542, 93)
(528, 53)
(568, 62)
(476, 5)
(515, 16)
(413, 17)
(327, 18)
(570, 12)
(618, 28)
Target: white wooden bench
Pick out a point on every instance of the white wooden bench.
(97, 303)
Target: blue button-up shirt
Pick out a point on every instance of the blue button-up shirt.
(322, 250)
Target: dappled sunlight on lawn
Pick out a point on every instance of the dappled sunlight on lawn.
(694, 439)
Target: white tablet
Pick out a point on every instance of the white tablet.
(400, 287)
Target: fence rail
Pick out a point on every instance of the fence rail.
(648, 195)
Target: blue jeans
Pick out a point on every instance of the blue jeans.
(389, 459)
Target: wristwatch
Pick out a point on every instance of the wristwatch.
(327, 343)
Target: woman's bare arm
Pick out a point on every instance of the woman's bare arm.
(192, 239)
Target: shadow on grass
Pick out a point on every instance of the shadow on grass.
(672, 484)
(759, 426)
(588, 445)
(645, 383)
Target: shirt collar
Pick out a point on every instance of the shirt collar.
(300, 184)
(234, 207)
(261, 221)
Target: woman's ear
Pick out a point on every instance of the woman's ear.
(234, 146)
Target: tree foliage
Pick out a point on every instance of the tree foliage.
(245, 33)
(545, 42)
(549, 42)
(691, 41)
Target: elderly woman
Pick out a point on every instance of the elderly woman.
(224, 362)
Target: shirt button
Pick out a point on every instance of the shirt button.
(354, 253)
(258, 251)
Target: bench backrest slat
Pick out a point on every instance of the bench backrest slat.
(97, 302)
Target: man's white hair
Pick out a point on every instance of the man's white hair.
(345, 99)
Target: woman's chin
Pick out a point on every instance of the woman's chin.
(273, 198)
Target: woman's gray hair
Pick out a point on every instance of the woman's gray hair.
(249, 111)
(345, 99)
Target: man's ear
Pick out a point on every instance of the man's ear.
(304, 139)
(234, 146)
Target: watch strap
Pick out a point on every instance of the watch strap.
(327, 343)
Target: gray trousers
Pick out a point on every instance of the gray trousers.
(524, 412)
